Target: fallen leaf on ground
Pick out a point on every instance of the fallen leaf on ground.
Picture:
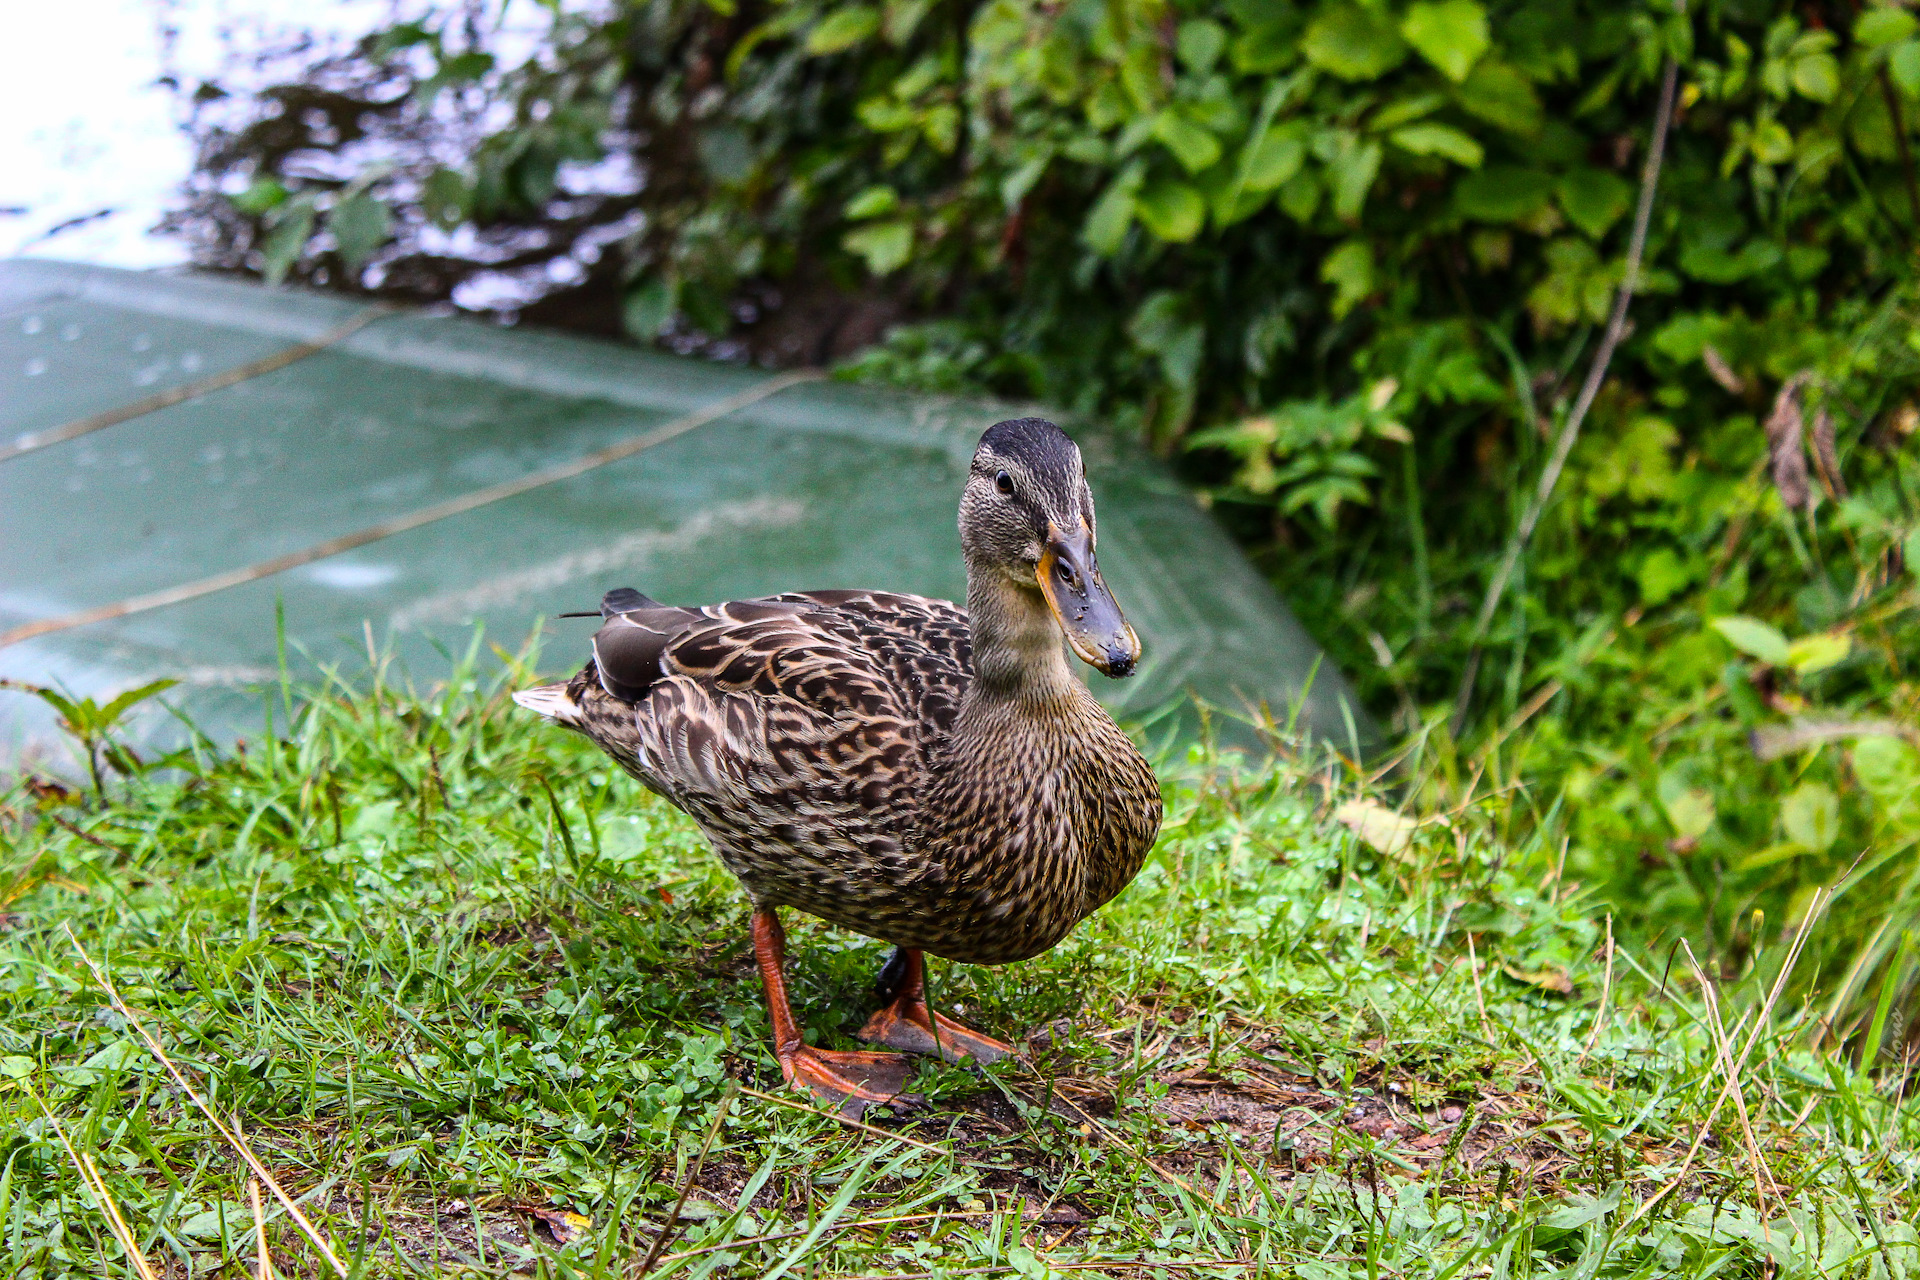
(1383, 830)
(566, 1225)
(1554, 980)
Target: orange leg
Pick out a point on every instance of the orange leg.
(906, 1022)
(854, 1079)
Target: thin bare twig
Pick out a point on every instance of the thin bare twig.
(263, 1269)
(97, 1188)
(686, 1188)
(1814, 910)
(838, 1227)
(1606, 993)
(1479, 998)
(1596, 376)
(851, 1123)
(1723, 1051)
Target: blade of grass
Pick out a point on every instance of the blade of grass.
(97, 1188)
(851, 1123)
(1814, 910)
(240, 1148)
(693, 1175)
(263, 1268)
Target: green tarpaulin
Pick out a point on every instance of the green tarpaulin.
(819, 485)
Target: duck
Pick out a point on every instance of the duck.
(935, 777)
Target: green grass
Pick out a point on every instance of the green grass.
(443, 966)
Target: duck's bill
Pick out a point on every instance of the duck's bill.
(1095, 627)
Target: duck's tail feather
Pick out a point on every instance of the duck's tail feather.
(625, 600)
(618, 600)
(552, 701)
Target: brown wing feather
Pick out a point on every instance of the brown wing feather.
(798, 730)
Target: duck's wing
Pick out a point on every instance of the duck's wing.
(797, 729)
(929, 644)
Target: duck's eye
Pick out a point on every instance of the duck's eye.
(1004, 483)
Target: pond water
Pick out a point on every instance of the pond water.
(96, 94)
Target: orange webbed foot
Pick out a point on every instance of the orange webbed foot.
(852, 1079)
(907, 1023)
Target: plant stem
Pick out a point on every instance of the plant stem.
(1906, 150)
(1417, 533)
(1596, 375)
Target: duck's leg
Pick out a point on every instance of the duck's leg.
(855, 1079)
(906, 1022)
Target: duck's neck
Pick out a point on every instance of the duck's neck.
(1019, 658)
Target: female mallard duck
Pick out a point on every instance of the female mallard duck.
(932, 777)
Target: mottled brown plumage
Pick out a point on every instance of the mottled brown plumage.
(933, 777)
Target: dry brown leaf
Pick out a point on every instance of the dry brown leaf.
(1823, 453)
(1721, 371)
(1786, 450)
(565, 1225)
(1382, 829)
(1554, 980)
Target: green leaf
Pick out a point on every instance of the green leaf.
(1271, 161)
(1500, 95)
(1352, 170)
(1662, 575)
(1810, 815)
(873, 202)
(1888, 768)
(1754, 638)
(1903, 65)
(1884, 26)
(1266, 47)
(1501, 193)
(886, 246)
(1691, 812)
(1165, 326)
(111, 713)
(843, 29)
(1811, 654)
(1172, 210)
(1583, 1209)
(1193, 146)
(1817, 76)
(292, 226)
(446, 198)
(1593, 199)
(360, 225)
(1111, 215)
(1353, 43)
(1704, 260)
(263, 193)
(1300, 196)
(1199, 44)
(1771, 142)
(1451, 34)
(1405, 111)
(1429, 139)
(649, 307)
(206, 1226)
(1349, 269)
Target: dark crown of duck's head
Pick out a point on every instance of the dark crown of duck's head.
(1027, 514)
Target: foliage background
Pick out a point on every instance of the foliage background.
(1346, 261)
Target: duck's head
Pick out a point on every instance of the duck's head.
(1027, 518)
